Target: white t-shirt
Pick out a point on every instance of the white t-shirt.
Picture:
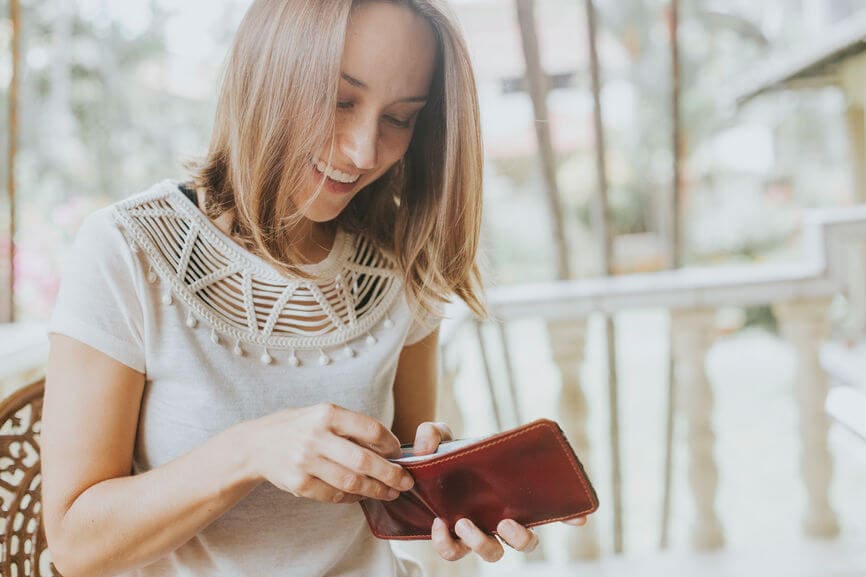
(222, 337)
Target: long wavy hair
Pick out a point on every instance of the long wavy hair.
(276, 104)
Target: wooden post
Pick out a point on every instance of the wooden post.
(14, 85)
(538, 87)
(448, 409)
(855, 121)
(511, 380)
(488, 374)
(676, 139)
(674, 258)
(605, 236)
(853, 83)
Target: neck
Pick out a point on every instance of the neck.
(315, 239)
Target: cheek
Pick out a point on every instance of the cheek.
(394, 146)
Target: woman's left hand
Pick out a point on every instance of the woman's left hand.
(471, 538)
(428, 435)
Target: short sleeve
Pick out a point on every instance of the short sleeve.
(424, 323)
(98, 302)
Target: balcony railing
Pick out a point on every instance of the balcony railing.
(800, 293)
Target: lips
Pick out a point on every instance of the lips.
(332, 185)
(336, 174)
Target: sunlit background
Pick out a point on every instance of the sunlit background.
(117, 95)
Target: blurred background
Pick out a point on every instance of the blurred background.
(673, 233)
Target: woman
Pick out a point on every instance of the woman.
(233, 358)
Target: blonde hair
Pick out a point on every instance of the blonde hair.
(277, 103)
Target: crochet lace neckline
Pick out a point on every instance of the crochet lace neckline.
(247, 302)
(330, 265)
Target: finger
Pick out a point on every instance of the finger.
(444, 544)
(486, 546)
(427, 438)
(366, 462)
(364, 430)
(311, 487)
(446, 431)
(343, 498)
(576, 522)
(517, 536)
(351, 482)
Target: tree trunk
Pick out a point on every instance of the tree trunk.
(538, 87)
(15, 16)
(605, 242)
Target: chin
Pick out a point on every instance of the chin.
(322, 219)
(322, 214)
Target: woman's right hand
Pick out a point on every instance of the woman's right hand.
(327, 453)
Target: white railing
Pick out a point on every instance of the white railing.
(832, 263)
(23, 353)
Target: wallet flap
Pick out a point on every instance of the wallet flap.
(408, 519)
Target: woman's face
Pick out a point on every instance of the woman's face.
(386, 71)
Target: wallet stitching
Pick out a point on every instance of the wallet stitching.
(566, 450)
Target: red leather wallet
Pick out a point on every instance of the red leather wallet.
(529, 474)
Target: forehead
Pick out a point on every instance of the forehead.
(390, 48)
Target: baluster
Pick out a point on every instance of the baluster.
(693, 334)
(856, 289)
(805, 326)
(567, 341)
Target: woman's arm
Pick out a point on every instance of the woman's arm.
(415, 387)
(99, 520)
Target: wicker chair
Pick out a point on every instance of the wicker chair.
(23, 549)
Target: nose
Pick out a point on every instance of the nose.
(358, 139)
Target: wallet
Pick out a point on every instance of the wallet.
(529, 474)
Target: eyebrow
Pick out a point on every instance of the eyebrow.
(355, 82)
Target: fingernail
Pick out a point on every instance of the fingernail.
(509, 529)
(421, 448)
(407, 483)
(463, 524)
(392, 494)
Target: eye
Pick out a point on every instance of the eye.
(398, 122)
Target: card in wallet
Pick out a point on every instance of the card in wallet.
(529, 474)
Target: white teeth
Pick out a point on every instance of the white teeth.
(335, 174)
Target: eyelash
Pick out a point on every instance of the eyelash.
(395, 121)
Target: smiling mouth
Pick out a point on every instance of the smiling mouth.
(334, 174)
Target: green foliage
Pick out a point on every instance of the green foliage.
(98, 120)
(628, 211)
(96, 116)
(763, 317)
